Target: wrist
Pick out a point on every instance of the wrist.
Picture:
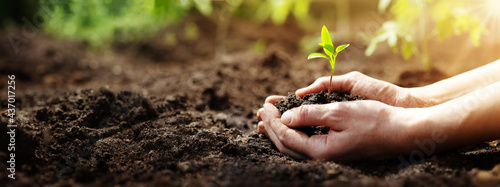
(427, 96)
(422, 133)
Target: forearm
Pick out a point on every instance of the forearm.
(480, 115)
(472, 118)
(461, 84)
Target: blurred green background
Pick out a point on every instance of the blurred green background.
(406, 26)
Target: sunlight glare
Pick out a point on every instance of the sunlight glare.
(490, 12)
(494, 6)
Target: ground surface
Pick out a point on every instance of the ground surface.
(293, 101)
(148, 113)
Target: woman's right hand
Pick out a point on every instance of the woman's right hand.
(359, 84)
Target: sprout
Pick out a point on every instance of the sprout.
(331, 53)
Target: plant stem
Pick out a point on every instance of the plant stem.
(221, 35)
(330, 88)
(423, 30)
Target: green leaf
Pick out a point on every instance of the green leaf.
(373, 44)
(263, 12)
(301, 9)
(371, 47)
(326, 40)
(383, 4)
(280, 11)
(475, 35)
(407, 48)
(234, 3)
(204, 6)
(445, 28)
(341, 47)
(317, 55)
(329, 50)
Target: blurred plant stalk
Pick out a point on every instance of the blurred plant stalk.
(224, 10)
(414, 23)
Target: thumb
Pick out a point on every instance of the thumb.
(320, 84)
(330, 115)
(341, 83)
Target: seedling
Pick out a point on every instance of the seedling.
(331, 53)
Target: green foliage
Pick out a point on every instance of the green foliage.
(328, 48)
(330, 51)
(416, 22)
(207, 7)
(260, 45)
(204, 6)
(191, 31)
(99, 21)
(278, 10)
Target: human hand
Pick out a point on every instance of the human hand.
(359, 84)
(358, 130)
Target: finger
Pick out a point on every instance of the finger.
(316, 146)
(271, 119)
(261, 128)
(277, 142)
(273, 98)
(259, 112)
(296, 141)
(332, 115)
(321, 84)
(342, 83)
(270, 112)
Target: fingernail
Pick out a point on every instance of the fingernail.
(286, 118)
(259, 112)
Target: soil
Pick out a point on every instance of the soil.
(293, 101)
(147, 113)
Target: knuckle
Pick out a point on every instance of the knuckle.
(356, 75)
(300, 114)
(322, 81)
(332, 112)
(284, 137)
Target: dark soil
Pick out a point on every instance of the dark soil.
(147, 114)
(293, 101)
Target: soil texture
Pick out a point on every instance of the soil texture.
(150, 114)
(293, 101)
